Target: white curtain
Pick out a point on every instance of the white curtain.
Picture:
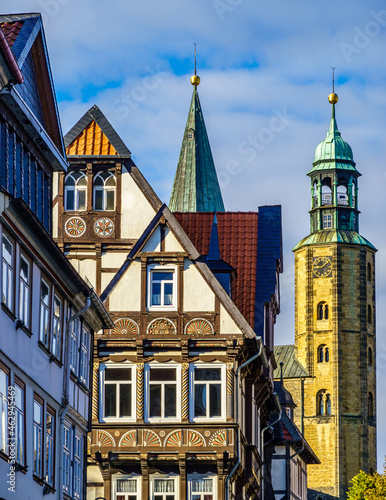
(126, 485)
(163, 485)
(202, 485)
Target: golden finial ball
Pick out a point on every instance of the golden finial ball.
(195, 80)
(333, 98)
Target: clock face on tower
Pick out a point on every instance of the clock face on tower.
(322, 267)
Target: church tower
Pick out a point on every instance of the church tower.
(335, 324)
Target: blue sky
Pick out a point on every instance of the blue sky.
(257, 60)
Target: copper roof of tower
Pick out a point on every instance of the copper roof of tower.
(196, 187)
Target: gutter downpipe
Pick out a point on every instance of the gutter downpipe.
(255, 356)
(263, 445)
(66, 397)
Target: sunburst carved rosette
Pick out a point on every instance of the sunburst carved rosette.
(161, 326)
(150, 438)
(75, 227)
(125, 326)
(174, 439)
(129, 439)
(195, 439)
(105, 439)
(104, 227)
(198, 326)
(219, 438)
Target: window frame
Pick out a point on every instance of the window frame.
(209, 475)
(26, 287)
(57, 326)
(47, 312)
(74, 353)
(8, 274)
(327, 221)
(4, 430)
(20, 412)
(104, 190)
(49, 452)
(78, 463)
(192, 367)
(85, 354)
(102, 371)
(156, 267)
(174, 477)
(76, 189)
(122, 477)
(147, 384)
(38, 473)
(66, 452)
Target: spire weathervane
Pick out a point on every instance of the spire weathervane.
(195, 80)
(333, 98)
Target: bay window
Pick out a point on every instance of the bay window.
(162, 399)
(207, 391)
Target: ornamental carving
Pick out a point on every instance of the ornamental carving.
(129, 439)
(195, 439)
(198, 326)
(174, 439)
(161, 326)
(105, 439)
(150, 438)
(219, 438)
(104, 227)
(75, 227)
(125, 326)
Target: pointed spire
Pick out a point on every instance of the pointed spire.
(214, 246)
(196, 187)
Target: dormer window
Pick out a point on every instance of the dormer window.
(104, 191)
(161, 287)
(75, 191)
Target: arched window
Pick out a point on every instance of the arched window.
(369, 315)
(342, 196)
(369, 272)
(315, 186)
(75, 191)
(328, 405)
(320, 403)
(327, 354)
(320, 354)
(326, 191)
(104, 191)
(322, 311)
(370, 405)
(370, 356)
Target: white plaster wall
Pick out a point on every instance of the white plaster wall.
(126, 296)
(227, 325)
(136, 210)
(171, 242)
(153, 245)
(86, 268)
(197, 294)
(112, 259)
(105, 279)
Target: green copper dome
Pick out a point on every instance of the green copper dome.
(333, 147)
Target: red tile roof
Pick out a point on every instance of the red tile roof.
(237, 234)
(11, 31)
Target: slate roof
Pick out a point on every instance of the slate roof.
(94, 136)
(196, 187)
(286, 430)
(292, 368)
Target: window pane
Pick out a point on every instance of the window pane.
(202, 485)
(110, 181)
(162, 276)
(170, 400)
(155, 400)
(70, 181)
(82, 182)
(24, 270)
(158, 374)
(110, 196)
(200, 400)
(207, 374)
(125, 400)
(110, 400)
(37, 413)
(164, 486)
(215, 400)
(70, 198)
(168, 291)
(117, 374)
(98, 181)
(44, 293)
(82, 199)
(126, 485)
(98, 199)
(156, 294)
